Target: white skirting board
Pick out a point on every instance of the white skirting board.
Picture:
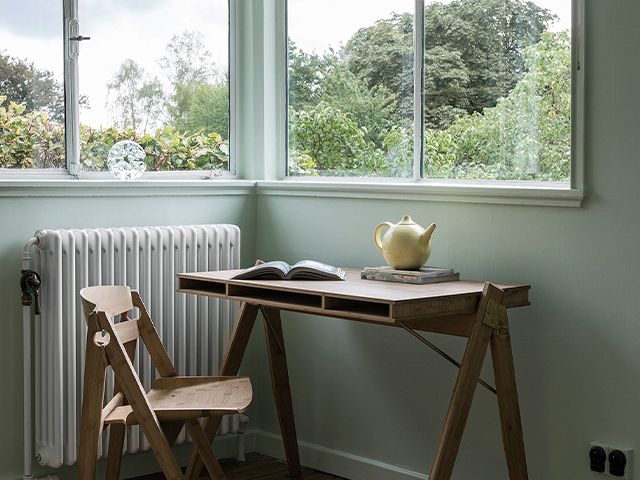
(143, 463)
(333, 461)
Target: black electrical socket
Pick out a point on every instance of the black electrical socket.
(598, 457)
(617, 463)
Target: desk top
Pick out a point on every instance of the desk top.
(354, 298)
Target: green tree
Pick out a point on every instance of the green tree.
(307, 72)
(187, 59)
(136, 102)
(200, 98)
(329, 141)
(491, 37)
(474, 53)
(370, 108)
(205, 107)
(382, 56)
(22, 83)
(526, 136)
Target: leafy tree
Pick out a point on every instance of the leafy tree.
(200, 99)
(187, 59)
(204, 107)
(446, 83)
(370, 108)
(135, 101)
(474, 55)
(491, 37)
(22, 83)
(382, 55)
(527, 135)
(328, 139)
(307, 74)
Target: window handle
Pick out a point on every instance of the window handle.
(79, 38)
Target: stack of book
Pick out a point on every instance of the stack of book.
(420, 277)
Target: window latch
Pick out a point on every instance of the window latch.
(79, 38)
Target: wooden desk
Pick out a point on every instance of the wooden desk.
(475, 310)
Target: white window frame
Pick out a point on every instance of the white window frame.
(486, 191)
(72, 51)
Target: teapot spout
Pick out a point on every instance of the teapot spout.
(426, 235)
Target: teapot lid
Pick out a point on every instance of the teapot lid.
(406, 220)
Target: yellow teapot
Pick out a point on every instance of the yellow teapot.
(405, 245)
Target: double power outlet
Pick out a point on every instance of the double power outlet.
(612, 461)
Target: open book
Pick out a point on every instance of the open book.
(303, 270)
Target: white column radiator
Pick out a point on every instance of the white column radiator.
(194, 330)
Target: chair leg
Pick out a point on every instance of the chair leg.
(206, 452)
(232, 360)
(92, 397)
(116, 442)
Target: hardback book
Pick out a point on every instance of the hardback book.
(420, 277)
(303, 270)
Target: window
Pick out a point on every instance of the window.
(492, 100)
(153, 72)
(350, 87)
(31, 86)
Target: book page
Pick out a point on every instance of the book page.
(314, 265)
(268, 270)
(313, 270)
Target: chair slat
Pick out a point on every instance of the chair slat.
(152, 340)
(127, 331)
(116, 401)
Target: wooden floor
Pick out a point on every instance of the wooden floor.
(257, 467)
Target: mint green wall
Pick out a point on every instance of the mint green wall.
(378, 393)
(20, 216)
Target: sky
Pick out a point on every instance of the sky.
(140, 30)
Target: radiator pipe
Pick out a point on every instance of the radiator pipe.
(27, 355)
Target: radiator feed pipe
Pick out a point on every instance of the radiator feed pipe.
(27, 367)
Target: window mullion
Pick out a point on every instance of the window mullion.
(577, 94)
(418, 89)
(71, 87)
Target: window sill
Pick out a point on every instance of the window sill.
(102, 187)
(556, 195)
(392, 189)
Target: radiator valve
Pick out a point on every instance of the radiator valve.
(30, 287)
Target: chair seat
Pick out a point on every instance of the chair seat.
(181, 398)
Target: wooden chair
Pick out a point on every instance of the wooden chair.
(164, 410)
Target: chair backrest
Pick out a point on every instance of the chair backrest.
(104, 303)
(116, 344)
(116, 349)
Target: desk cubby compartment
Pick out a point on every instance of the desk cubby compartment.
(202, 286)
(279, 297)
(363, 307)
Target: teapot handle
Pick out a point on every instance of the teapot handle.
(377, 233)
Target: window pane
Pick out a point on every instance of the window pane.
(498, 89)
(155, 72)
(350, 87)
(31, 85)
